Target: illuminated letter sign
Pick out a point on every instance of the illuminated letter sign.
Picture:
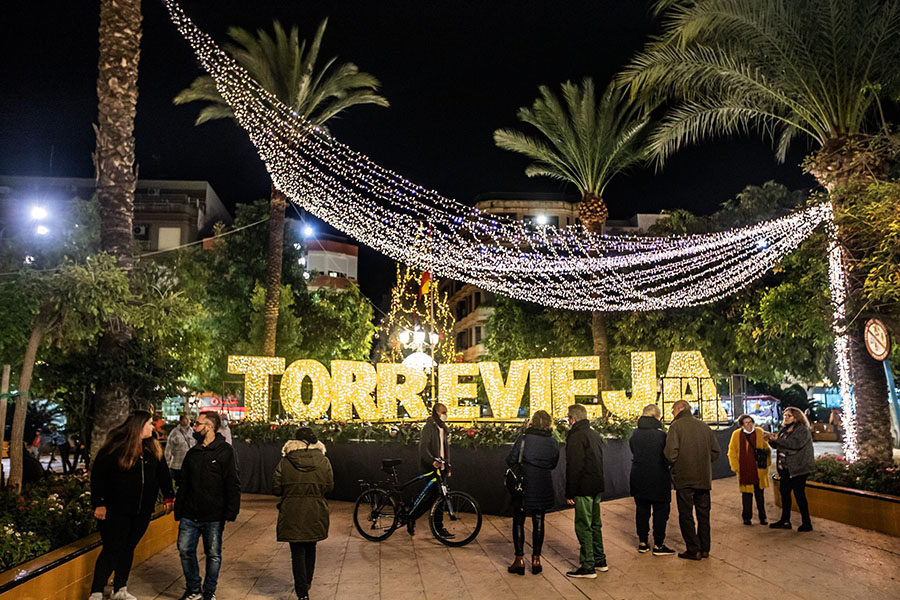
(256, 371)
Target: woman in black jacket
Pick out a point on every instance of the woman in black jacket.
(539, 457)
(126, 478)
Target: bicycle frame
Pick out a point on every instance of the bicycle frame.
(437, 478)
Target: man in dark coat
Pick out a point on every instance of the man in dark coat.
(691, 449)
(434, 453)
(584, 484)
(209, 495)
(651, 485)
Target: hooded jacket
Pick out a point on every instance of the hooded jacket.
(584, 461)
(210, 488)
(650, 479)
(133, 491)
(302, 478)
(691, 449)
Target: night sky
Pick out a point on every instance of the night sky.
(453, 71)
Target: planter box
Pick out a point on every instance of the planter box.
(868, 510)
(65, 573)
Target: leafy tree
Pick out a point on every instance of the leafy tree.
(818, 69)
(316, 91)
(586, 141)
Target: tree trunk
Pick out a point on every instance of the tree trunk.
(17, 435)
(277, 206)
(837, 163)
(593, 214)
(117, 94)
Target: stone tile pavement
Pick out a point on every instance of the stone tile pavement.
(834, 561)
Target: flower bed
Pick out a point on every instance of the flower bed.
(865, 474)
(478, 434)
(51, 513)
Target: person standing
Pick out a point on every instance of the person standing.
(795, 460)
(540, 455)
(584, 484)
(691, 449)
(837, 422)
(753, 479)
(651, 484)
(209, 495)
(302, 479)
(180, 440)
(225, 430)
(434, 453)
(126, 478)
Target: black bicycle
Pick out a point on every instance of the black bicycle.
(381, 509)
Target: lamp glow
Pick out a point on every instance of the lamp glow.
(38, 213)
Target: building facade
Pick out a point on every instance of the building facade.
(167, 213)
(472, 306)
(331, 262)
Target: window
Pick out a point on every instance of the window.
(461, 310)
(477, 335)
(476, 300)
(168, 237)
(462, 340)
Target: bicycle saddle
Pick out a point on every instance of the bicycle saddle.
(388, 464)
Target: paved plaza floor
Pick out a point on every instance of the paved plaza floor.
(834, 561)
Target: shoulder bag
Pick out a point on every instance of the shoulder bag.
(514, 477)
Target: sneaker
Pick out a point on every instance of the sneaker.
(643, 547)
(748, 522)
(209, 596)
(443, 533)
(582, 573)
(192, 596)
(704, 555)
(662, 550)
(122, 594)
(805, 527)
(601, 566)
(780, 525)
(763, 522)
(689, 555)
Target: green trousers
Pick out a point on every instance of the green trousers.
(588, 530)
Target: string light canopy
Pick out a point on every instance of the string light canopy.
(562, 267)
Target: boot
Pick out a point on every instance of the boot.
(536, 564)
(518, 566)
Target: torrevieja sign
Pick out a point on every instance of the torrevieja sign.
(389, 391)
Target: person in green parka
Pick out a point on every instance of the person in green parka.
(302, 478)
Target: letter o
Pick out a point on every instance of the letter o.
(291, 391)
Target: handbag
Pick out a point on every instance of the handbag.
(762, 457)
(514, 477)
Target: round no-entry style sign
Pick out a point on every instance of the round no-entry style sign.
(878, 340)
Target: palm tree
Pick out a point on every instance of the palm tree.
(117, 93)
(288, 69)
(585, 141)
(816, 69)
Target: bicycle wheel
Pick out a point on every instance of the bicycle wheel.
(375, 514)
(460, 517)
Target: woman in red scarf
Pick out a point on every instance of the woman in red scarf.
(752, 479)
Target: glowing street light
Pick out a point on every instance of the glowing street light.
(418, 337)
(38, 213)
(541, 219)
(404, 337)
(41, 230)
(308, 231)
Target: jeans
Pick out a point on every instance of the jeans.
(788, 484)
(303, 563)
(120, 535)
(660, 518)
(189, 533)
(425, 506)
(537, 529)
(588, 530)
(747, 500)
(691, 499)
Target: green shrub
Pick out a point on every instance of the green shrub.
(865, 474)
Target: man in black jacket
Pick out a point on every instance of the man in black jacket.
(584, 484)
(434, 453)
(651, 484)
(210, 494)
